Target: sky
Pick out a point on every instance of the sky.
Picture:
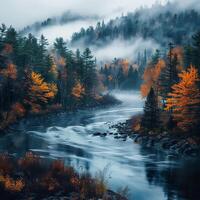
(20, 13)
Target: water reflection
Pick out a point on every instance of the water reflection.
(150, 175)
(180, 179)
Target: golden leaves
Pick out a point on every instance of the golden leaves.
(12, 185)
(40, 91)
(185, 98)
(151, 76)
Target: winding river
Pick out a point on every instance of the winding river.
(148, 174)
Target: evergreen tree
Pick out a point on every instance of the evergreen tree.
(89, 71)
(196, 51)
(61, 47)
(169, 75)
(120, 77)
(150, 119)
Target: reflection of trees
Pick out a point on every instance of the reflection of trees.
(178, 181)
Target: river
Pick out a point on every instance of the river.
(148, 174)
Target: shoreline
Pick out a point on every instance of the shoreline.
(108, 100)
(179, 145)
(34, 177)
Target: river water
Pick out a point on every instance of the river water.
(148, 174)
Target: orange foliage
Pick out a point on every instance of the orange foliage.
(78, 91)
(10, 71)
(12, 185)
(40, 91)
(185, 99)
(151, 76)
(29, 161)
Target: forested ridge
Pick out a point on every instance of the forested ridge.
(161, 26)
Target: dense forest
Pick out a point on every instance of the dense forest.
(35, 78)
(121, 74)
(70, 114)
(162, 27)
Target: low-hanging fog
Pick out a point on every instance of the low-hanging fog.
(30, 11)
(124, 49)
(87, 13)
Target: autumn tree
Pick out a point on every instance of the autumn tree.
(39, 92)
(151, 77)
(184, 100)
(150, 118)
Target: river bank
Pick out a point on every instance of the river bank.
(32, 177)
(69, 137)
(11, 121)
(181, 145)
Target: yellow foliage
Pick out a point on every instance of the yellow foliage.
(151, 76)
(185, 98)
(40, 91)
(12, 185)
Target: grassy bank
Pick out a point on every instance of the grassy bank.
(32, 177)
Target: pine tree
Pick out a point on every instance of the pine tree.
(150, 119)
(89, 71)
(169, 75)
(196, 51)
(60, 47)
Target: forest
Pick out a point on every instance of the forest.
(112, 112)
(143, 23)
(36, 79)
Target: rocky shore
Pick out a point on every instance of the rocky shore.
(173, 144)
(181, 145)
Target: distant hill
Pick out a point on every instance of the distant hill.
(65, 18)
(163, 24)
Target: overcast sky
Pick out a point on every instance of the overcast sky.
(20, 13)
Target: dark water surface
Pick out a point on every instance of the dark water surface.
(149, 175)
